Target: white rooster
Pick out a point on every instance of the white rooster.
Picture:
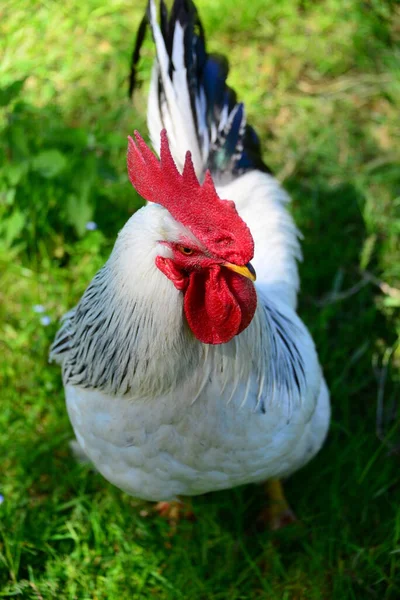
(183, 376)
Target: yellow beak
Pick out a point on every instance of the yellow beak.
(246, 271)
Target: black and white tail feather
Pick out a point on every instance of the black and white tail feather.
(189, 97)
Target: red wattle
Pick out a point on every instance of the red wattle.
(167, 266)
(218, 304)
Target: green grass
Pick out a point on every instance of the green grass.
(322, 86)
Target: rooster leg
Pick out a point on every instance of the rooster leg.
(175, 511)
(278, 513)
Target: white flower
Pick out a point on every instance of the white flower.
(38, 308)
(45, 320)
(91, 225)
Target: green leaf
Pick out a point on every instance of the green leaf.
(49, 163)
(9, 196)
(367, 251)
(18, 142)
(391, 302)
(79, 212)
(59, 135)
(10, 92)
(15, 171)
(11, 227)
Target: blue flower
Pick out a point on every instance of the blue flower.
(45, 320)
(91, 225)
(38, 308)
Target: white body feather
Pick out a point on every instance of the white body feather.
(194, 418)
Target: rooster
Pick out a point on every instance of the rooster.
(183, 374)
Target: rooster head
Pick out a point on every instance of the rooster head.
(211, 266)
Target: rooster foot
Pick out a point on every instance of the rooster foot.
(277, 513)
(174, 512)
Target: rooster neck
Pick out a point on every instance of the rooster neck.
(129, 336)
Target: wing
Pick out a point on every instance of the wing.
(95, 342)
(64, 338)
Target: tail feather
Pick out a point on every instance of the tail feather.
(189, 97)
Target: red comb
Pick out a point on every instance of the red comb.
(213, 221)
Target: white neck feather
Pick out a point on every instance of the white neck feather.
(141, 345)
(151, 306)
(158, 314)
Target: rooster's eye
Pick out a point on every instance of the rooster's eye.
(186, 251)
